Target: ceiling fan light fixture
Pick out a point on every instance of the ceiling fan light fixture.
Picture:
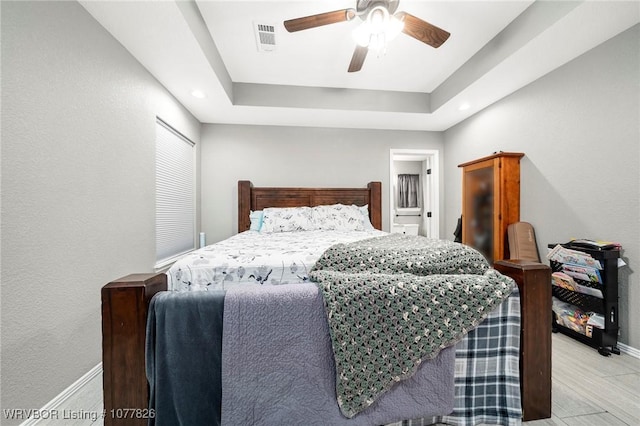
(378, 42)
(394, 27)
(378, 19)
(362, 34)
(377, 29)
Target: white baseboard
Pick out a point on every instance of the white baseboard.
(65, 395)
(631, 351)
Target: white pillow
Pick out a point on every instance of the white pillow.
(287, 219)
(364, 210)
(256, 220)
(338, 217)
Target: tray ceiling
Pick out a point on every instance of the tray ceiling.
(495, 48)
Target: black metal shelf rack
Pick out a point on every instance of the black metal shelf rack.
(605, 340)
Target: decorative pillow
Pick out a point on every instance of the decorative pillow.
(338, 217)
(256, 220)
(287, 219)
(366, 222)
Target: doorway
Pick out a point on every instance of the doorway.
(421, 217)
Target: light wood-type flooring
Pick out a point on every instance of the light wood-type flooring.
(588, 390)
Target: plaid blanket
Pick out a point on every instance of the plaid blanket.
(487, 373)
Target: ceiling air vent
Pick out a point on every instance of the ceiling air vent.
(265, 37)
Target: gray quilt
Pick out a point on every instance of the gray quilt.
(393, 302)
(278, 365)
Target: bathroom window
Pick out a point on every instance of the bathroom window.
(408, 191)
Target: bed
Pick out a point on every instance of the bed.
(126, 308)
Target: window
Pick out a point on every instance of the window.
(175, 194)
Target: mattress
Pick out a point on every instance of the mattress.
(257, 258)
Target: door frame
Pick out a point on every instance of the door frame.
(430, 158)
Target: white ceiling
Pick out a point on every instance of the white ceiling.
(495, 48)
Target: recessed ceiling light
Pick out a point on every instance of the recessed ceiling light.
(198, 94)
(464, 106)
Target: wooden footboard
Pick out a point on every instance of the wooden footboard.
(534, 283)
(125, 304)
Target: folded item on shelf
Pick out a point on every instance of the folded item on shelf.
(596, 320)
(595, 245)
(560, 279)
(570, 316)
(585, 273)
(563, 280)
(565, 255)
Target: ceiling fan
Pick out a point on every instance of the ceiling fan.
(380, 23)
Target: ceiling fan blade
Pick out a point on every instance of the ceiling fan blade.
(422, 31)
(319, 20)
(358, 58)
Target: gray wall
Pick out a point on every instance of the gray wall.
(78, 189)
(294, 156)
(579, 129)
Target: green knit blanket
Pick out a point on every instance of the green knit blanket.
(396, 300)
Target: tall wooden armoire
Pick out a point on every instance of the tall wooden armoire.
(490, 202)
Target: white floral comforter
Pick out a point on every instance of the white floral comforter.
(255, 257)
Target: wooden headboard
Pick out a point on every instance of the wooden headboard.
(255, 198)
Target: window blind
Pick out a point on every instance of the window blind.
(175, 194)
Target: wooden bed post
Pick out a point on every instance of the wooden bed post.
(534, 284)
(244, 205)
(125, 305)
(375, 199)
